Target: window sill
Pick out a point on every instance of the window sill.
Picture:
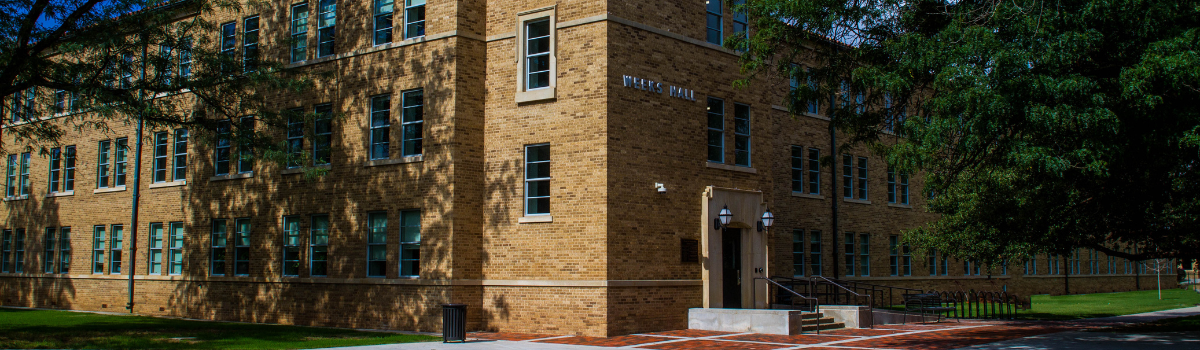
(169, 184)
(16, 198)
(301, 170)
(402, 160)
(724, 166)
(543, 94)
(60, 194)
(807, 195)
(109, 189)
(535, 219)
(232, 177)
(852, 200)
(904, 206)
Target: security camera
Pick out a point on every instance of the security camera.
(660, 187)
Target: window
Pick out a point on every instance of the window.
(185, 59)
(176, 252)
(60, 101)
(798, 184)
(216, 254)
(165, 71)
(115, 257)
(221, 156)
(537, 180)
(864, 254)
(295, 138)
(160, 156)
(716, 130)
(25, 174)
(906, 259)
(241, 247)
(291, 246)
(19, 251)
(120, 158)
(740, 26)
(323, 134)
(412, 122)
(537, 54)
(6, 251)
(1031, 266)
(318, 245)
(798, 252)
(245, 162)
(156, 248)
(741, 134)
(250, 44)
(377, 244)
(381, 126)
(103, 164)
(228, 43)
(126, 71)
(1073, 263)
(1053, 263)
(48, 243)
(410, 243)
(98, 244)
(847, 176)
(713, 21)
(1112, 264)
(326, 23)
(64, 250)
(414, 18)
(849, 258)
(814, 251)
(383, 21)
(814, 171)
(971, 268)
(897, 190)
(862, 178)
(69, 169)
(933, 266)
(299, 32)
(894, 251)
(22, 106)
(1093, 262)
(11, 179)
(181, 141)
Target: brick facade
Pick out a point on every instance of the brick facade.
(606, 261)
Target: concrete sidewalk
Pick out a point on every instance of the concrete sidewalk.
(1076, 340)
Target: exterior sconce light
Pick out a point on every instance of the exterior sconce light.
(660, 187)
(768, 220)
(723, 218)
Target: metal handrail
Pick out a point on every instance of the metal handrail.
(866, 287)
(816, 303)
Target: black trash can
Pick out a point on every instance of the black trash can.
(454, 322)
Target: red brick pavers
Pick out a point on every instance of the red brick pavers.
(506, 336)
(713, 345)
(923, 327)
(688, 333)
(624, 340)
(786, 339)
(863, 332)
(953, 338)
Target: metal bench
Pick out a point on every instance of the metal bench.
(924, 304)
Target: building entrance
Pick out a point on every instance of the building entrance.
(731, 266)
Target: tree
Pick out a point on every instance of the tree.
(95, 64)
(1039, 126)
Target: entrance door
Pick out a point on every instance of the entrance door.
(731, 266)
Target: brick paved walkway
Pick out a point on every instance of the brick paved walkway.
(940, 336)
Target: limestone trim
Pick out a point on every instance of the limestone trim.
(545, 93)
(807, 195)
(903, 206)
(805, 114)
(535, 219)
(378, 281)
(384, 47)
(232, 177)
(301, 170)
(109, 189)
(723, 166)
(16, 198)
(402, 160)
(60, 194)
(857, 201)
(169, 184)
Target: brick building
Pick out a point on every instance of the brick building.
(555, 165)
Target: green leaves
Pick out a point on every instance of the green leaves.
(1044, 125)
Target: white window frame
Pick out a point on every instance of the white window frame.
(799, 184)
(529, 181)
(377, 242)
(720, 16)
(64, 250)
(24, 179)
(849, 258)
(410, 244)
(241, 245)
(719, 132)
(798, 255)
(103, 164)
(314, 245)
(175, 248)
(864, 254)
(322, 134)
(99, 242)
(156, 248)
(48, 250)
(179, 164)
(19, 251)
(250, 47)
(411, 8)
(120, 161)
(862, 184)
(383, 10)
(293, 239)
(218, 255)
(384, 128)
(814, 253)
(740, 134)
(161, 142)
(298, 28)
(116, 256)
(295, 138)
(322, 36)
(524, 94)
(417, 124)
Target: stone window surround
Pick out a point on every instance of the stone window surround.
(542, 94)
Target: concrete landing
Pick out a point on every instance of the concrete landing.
(780, 322)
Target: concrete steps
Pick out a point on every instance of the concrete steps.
(811, 321)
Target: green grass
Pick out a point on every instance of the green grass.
(1181, 324)
(23, 328)
(1070, 307)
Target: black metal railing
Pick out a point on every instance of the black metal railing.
(810, 304)
(982, 304)
(843, 292)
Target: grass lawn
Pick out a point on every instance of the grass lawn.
(22, 328)
(1070, 307)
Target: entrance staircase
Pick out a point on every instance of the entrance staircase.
(816, 322)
